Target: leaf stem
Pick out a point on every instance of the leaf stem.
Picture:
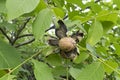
(105, 64)
(67, 68)
(23, 62)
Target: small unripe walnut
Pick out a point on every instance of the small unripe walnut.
(67, 44)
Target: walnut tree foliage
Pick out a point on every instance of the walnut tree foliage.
(27, 25)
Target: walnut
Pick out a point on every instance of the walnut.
(67, 44)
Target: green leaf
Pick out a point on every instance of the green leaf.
(59, 12)
(82, 18)
(8, 77)
(17, 8)
(41, 5)
(117, 2)
(91, 49)
(76, 24)
(72, 14)
(2, 6)
(9, 56)
(59, 71)
(3, 72)
(95, 7)
(95, 33)
(117, 48)
(101, 50)
(54, 60)
(42, 71)
(93, 71)
(108, 16)
(74, 72)
(58, 3)
(42, 22)
(77, 2)
(112, 64)
(82, 56)
(107, 25)
(9, 26)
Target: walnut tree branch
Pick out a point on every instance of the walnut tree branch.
(25, 43)
(25, 35)
(5, 34)
(20, 30)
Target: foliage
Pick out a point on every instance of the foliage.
(27, 25)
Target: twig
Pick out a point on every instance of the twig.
(25, 43)
(23, 26)
(20, 30)
(25, 35)
(65, 17)
(5, 34)
(52, 27)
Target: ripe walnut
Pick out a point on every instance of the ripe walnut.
(67, 44)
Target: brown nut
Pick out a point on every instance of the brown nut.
(67, 44)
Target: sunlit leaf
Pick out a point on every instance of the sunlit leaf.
(107, 16)
(83, 19)
(107, 25)
(77, 2)
(42, 71)
(72, 14)
(117, 2)
(59, 12)
(117, 48)
(41, 5)
(20, 7)
(42, 22)
(95, 33)
(112, 64)
(102, 50)
(58, 3)
(95, 7)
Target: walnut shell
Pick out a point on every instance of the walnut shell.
(67, 44)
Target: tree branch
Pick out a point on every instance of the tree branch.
(4, 33)
(20, 30)
(25, 43)
(23, 26)
(25, 35)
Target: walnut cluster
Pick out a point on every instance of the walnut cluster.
(67, 45)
